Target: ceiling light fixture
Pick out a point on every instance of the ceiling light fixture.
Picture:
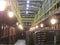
(2, 5)
(10, 14)
(41, 25)
(27, 5)
(28, 1)
(37, 26)
(20, 26)
(27, 8)
(26, 12)
(53, 21)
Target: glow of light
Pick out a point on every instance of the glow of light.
(28, 1)
(2, 27)
(41, 25)
(20, 27)
(53, 21)
(27, 5)
(32, 29)
(2, 5)
(36, 26)
(11, 14)
(17, 23)
(27, 8)
(26, 12)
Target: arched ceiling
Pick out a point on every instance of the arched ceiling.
(29, 14)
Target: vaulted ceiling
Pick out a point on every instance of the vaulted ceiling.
(28, 10)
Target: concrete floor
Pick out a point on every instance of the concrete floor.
(20, 42)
